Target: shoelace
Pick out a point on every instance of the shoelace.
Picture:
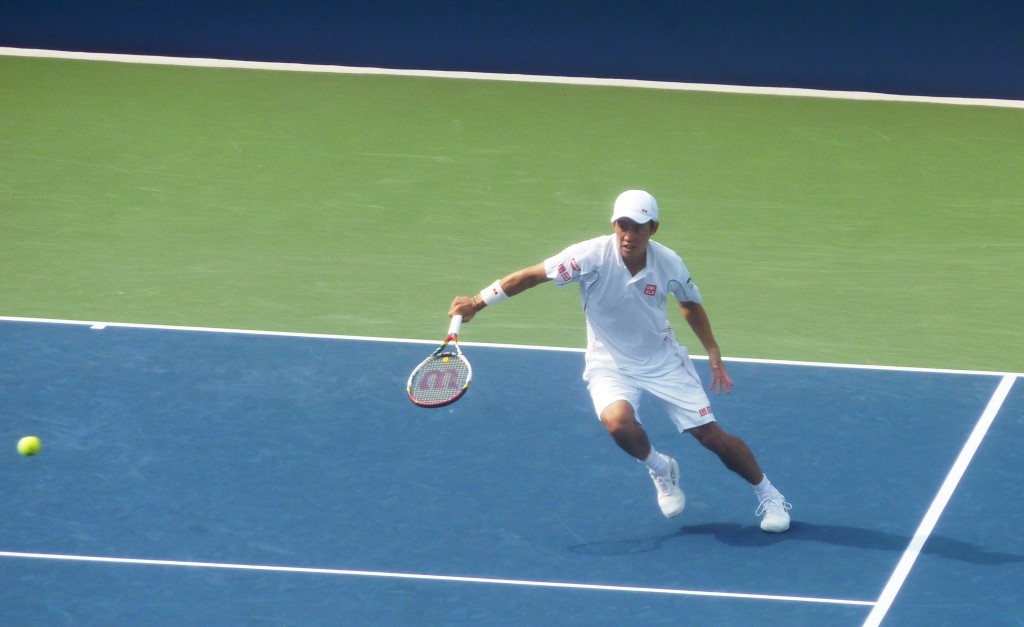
(663, 483)
(773, 505)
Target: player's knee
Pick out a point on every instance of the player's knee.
(710, 435)
(618, 417)
(617, 424)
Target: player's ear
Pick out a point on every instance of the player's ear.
(654, 227)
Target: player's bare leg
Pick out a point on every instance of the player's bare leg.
(737, 457)
(619, 419)
(732, 450)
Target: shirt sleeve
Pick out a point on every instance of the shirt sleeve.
(570, 265)
(686, 292)
(683, 288)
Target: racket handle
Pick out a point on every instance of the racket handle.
(456, 324)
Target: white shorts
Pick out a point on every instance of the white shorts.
(676, 386)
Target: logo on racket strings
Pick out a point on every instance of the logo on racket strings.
(440, 379)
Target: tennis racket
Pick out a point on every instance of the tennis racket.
(444, 376)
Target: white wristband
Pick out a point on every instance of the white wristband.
(493, 294)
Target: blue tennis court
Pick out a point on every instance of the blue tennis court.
(204, 477)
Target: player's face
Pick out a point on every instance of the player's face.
(633, 240)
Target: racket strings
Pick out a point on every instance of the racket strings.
(439, 379)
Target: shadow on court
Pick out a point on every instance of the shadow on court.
(838, 535)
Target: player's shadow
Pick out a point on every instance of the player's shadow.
(840, 535)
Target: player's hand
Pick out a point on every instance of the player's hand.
(720, 379)
(463, 306)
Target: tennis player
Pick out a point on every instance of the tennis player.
(625, 281)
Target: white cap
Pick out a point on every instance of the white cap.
(637, 205)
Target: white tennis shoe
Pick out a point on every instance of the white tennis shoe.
(776, 515)
(670, 498)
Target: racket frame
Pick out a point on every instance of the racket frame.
(439, 353)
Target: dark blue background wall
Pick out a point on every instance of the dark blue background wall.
(939, 48)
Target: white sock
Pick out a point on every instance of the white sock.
(765, 488)
(656, 462)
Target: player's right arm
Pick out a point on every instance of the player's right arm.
(515, 283)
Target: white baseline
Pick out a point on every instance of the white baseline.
(519, 78)
(100, 325)
(422, 577)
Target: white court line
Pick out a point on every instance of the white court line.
(98, 325)
(520, 78)
(422, 577)
(931, 517)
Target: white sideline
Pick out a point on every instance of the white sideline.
(931, 517)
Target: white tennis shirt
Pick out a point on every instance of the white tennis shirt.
(627, 317)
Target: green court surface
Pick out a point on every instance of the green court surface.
(818, 229)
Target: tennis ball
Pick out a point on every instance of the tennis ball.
(446, 360)
(29, 445)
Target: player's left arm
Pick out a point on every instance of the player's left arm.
(697, 318)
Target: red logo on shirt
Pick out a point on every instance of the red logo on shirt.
(651, 289)
(705, 411)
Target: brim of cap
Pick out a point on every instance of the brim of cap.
(641, 218)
